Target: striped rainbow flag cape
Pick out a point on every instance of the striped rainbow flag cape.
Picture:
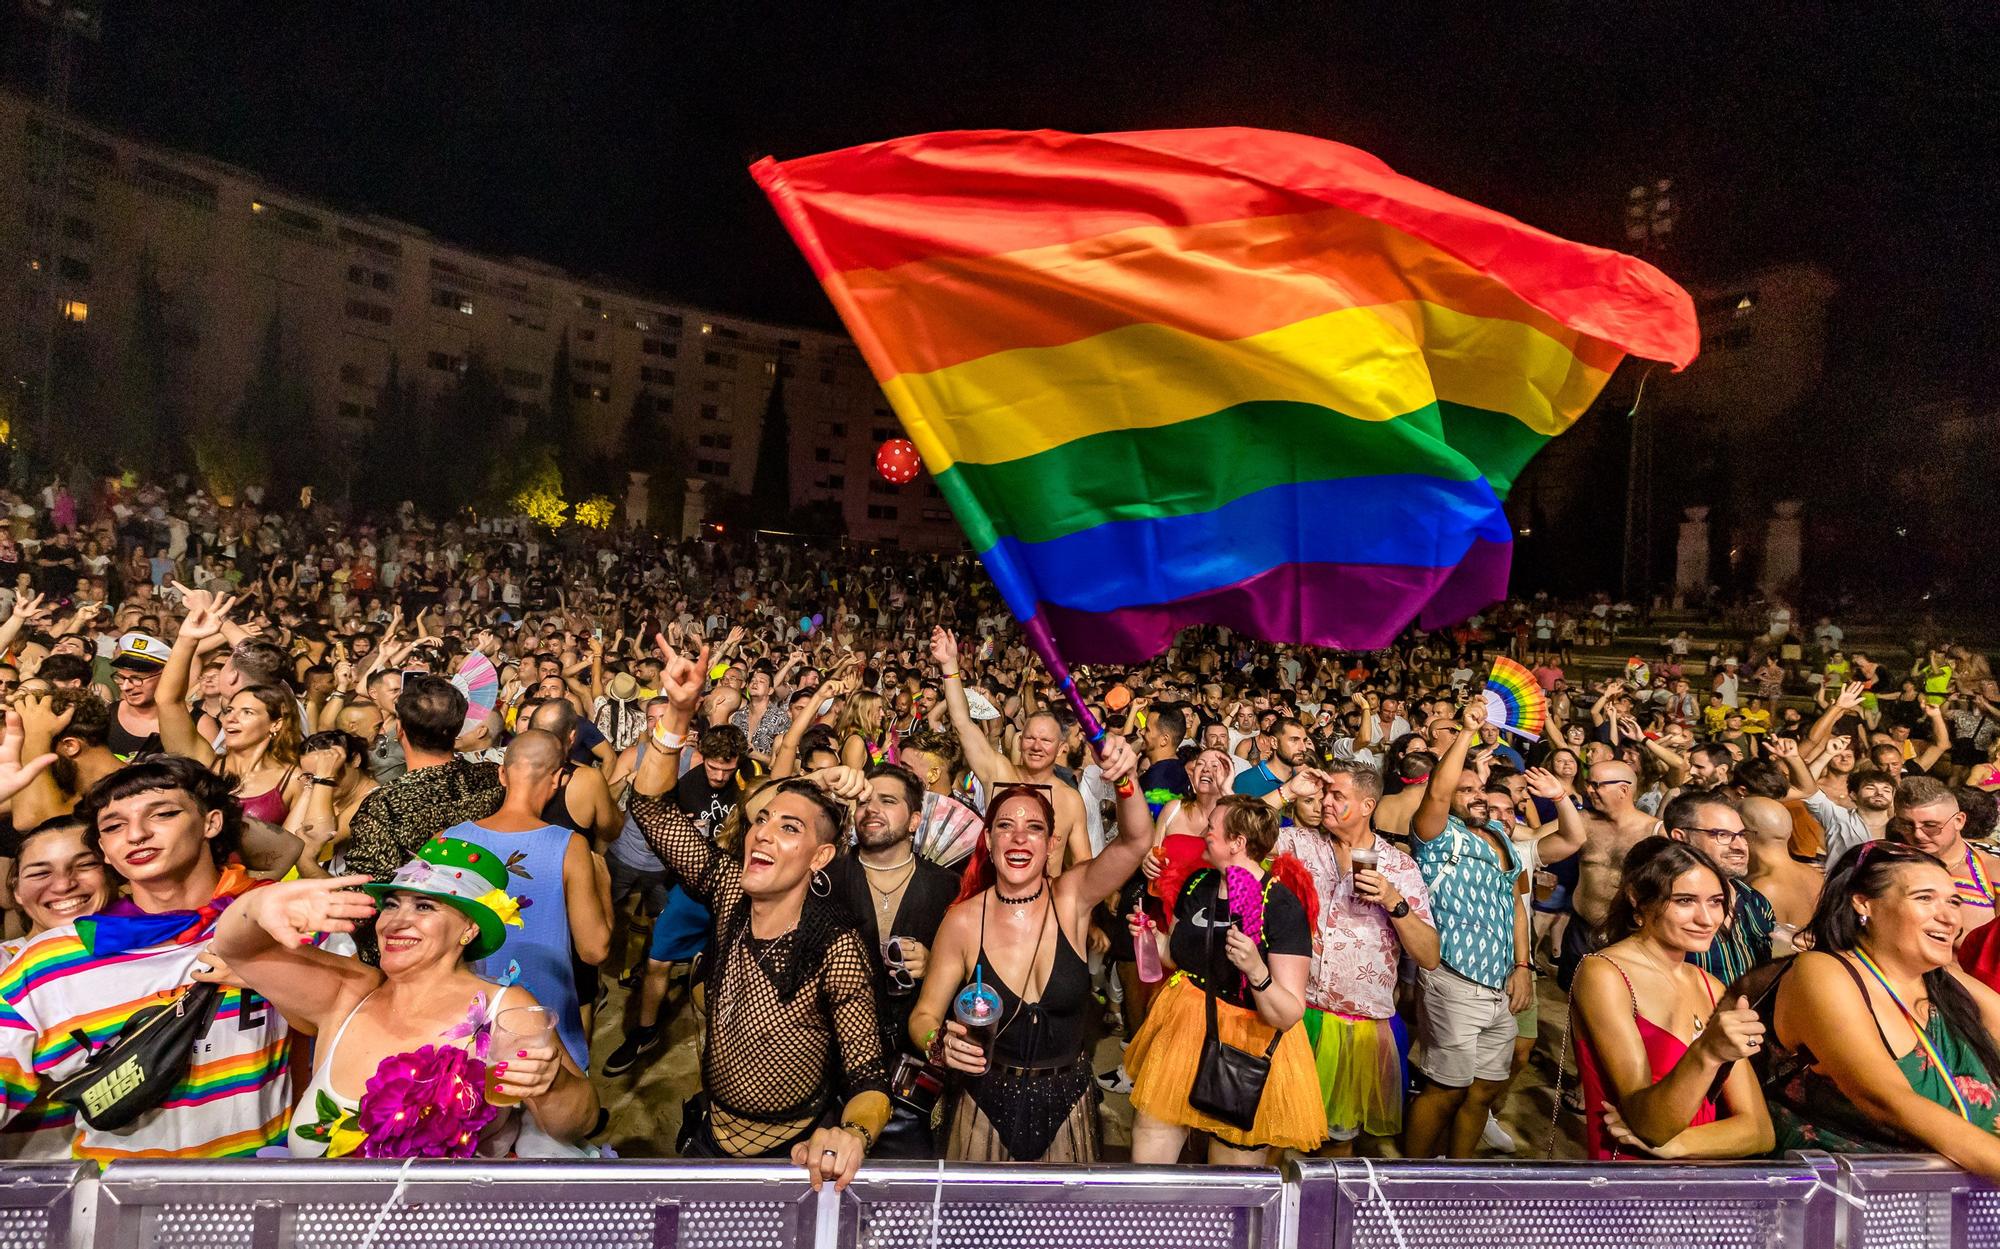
(1222, 376)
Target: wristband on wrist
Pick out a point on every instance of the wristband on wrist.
(1263, 984)
(867, 1137)
(948, 676)
(1527, 967)
(668, 741)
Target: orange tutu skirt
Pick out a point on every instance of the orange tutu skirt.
(1165, 1055)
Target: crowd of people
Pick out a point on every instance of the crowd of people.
(379, 812)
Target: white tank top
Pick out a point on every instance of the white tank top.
(495, 1142)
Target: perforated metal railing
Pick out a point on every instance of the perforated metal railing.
(1434, 1205)
(1915, 1202)
(1805, 1203)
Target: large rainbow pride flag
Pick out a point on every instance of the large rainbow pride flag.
(1222, 376)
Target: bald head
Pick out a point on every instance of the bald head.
(1767, 822)
(1612, 785)
(533, 755)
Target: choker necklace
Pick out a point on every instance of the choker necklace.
(866, 866)
(1024, 899)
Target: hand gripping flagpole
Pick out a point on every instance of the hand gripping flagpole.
(1044, 644)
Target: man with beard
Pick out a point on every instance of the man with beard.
(897, 899)
(1291, 749)
(1607, 833)
(1468, 1002)
(1710, 824)
(1041, 738)
(1872, 791)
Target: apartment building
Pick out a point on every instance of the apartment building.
(87, 216)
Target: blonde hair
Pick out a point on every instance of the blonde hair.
(854, 717)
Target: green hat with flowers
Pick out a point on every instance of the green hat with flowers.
(467, 877)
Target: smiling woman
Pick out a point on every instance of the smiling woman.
(1882, 937)
(1651, 1040)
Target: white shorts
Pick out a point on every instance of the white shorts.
(1466, 1029)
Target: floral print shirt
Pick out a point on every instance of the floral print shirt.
(1355, 950)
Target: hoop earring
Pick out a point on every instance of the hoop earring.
(822, 885)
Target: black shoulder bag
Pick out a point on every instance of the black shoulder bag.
(1229, 1083)
(134, 1071)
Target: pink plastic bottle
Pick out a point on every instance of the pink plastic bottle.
(1146, 952)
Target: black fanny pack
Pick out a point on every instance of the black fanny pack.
(134, 1071)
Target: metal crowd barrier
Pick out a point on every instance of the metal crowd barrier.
(1806, 1202)
(1573, 1205)
(1903, 1201)
(679, 1205)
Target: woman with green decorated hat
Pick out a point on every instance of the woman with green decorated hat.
(418, 1057)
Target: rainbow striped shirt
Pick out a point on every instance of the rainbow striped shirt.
(236, 1097)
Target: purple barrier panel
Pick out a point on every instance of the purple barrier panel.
(916, 1205)
(258, 1204)
(1562, 1205)
(1917, 1201)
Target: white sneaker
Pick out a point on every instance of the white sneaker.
(1117, 1080)
(1495, 1137)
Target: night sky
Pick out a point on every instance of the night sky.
(615, 141)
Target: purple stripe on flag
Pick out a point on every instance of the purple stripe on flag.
(1347, 606)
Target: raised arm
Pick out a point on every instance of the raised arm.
(1106, 873)
(989, 765)
(1434, 811)
(205, 617)
(266, 938)
(1674, 762)
(25, 607)
(667, 829)
(1845, 704)
(1572, 830)
(1940, 740)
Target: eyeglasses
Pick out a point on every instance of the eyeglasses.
(1721, 834)
(1932, 827)
(1603, 784)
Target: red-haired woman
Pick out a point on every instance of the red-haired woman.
(1246, 935)
(1028, 1093)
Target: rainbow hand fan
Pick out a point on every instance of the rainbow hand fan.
(477, 679)
(1515, 701)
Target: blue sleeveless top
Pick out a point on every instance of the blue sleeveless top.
(542, 944)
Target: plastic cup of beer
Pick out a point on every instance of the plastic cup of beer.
(515, 1029)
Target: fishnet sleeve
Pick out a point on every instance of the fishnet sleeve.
(703, 869)
(857, 1025)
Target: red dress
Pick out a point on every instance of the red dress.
(1663, 1050)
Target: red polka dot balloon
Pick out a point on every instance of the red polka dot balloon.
(897, 461)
